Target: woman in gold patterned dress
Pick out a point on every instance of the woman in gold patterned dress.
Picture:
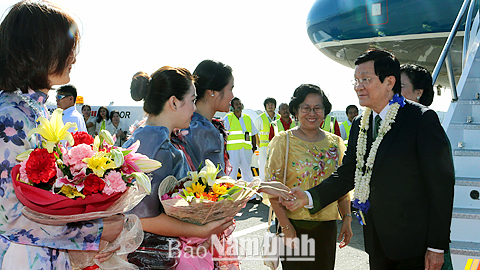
(313, 155)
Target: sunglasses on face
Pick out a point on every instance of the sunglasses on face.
(58, 97)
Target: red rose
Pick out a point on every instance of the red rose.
(82, 137)
(92, 184)
(40, 166)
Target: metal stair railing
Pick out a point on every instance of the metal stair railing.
(445, 55)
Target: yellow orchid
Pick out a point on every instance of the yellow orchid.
(219, 190)
(54, 131)
(196, 188)
(70, 192)
(209, 172)
(99, 163)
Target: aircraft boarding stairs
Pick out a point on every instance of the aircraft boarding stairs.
(462, 125)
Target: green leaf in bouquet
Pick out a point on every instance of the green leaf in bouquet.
(126, 152)
(188, 196)
(234, 190)
(143, 181)
(225, 196)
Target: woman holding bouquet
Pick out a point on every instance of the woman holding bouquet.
(214, 85)
(38, 48)
(169, 101)
(313, 155)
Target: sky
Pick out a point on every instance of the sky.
(265, 42)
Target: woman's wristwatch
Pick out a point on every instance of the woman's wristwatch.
(347, 215)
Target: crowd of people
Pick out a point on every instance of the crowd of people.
(309, 163)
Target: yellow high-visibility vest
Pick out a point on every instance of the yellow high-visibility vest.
(236, 137)
(347, 128)
(265, 131)
(329, 124)
(279, 126)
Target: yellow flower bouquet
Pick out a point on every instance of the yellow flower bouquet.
(201, 197)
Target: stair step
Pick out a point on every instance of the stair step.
(467, 181)
(465, 248)
(466, 213)
(468, 102)
(465, 126)
(465, 152)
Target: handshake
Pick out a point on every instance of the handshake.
(292, 199)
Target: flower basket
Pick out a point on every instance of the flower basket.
(202, 211)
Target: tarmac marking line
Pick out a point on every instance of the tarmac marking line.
(251, 229)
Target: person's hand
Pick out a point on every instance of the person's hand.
(120, 134)
(346, 232)
(301, 199)
(290, 235)
(112, 227)
(276, 189)
(433, 260)
(215, 227)
(104, 256)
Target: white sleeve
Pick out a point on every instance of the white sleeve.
(254, 129)
(342, 132)
(310, 200)
(259, 123)
(225, 123)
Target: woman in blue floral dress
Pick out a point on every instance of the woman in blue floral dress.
(38, 42)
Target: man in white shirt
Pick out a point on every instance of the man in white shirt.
(262, 123)
(240, 140)
(66, 98)
(352, 112)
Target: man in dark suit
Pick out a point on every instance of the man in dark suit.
(411, 185)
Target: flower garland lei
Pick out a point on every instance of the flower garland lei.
(362, 178)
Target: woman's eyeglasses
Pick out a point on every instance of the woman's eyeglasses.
(307, 109)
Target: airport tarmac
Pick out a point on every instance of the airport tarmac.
(252, 223)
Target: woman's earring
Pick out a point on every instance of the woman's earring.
(212, 95)
(418, 97)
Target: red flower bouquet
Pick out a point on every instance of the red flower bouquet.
(88, 180)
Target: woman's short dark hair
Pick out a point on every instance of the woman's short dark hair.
(385, 64)
(211, 75)
(99, 117)
(37, 39)
(164, 83)
(114, 112)
(420, 78)
(86, 106)
(302, 92)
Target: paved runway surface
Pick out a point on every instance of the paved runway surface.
(252, 223)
